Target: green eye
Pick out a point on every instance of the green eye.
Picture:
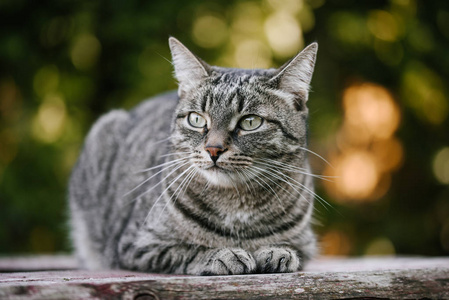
(251, 122)
(196, 120)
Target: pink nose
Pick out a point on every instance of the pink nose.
(215, 152)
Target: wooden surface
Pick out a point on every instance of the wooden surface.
(331, 278)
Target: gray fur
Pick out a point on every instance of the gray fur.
(142, 199)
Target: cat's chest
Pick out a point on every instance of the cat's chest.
(240, 217)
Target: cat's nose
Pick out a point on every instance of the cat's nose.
(215, 152)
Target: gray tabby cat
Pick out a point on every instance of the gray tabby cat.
(211, 180)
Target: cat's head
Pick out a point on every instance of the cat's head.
(236, 123)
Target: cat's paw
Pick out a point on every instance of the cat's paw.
(277, 260)
(230, 261)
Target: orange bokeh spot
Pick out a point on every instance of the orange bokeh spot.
(367, 149)
(370, 108)
(356, 175)
(335, 242)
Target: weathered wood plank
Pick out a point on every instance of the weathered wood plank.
(37, 263)
(324, 278)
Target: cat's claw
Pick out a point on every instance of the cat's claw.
(277, 260)
(230, 261)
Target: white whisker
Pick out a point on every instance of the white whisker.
(256, 180)
(285, 181)
(188, 183)
(317, 155)
(293, 169)
(155, 174)
(284, 164)
(206, 186)
(176, 153)
(179, 188)
(172, 182)
(280, 201)
(162, 180)
(297, 186)
(235, 186)
(245, 179)
(161, 141)
(163, 164)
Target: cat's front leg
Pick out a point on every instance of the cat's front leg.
(277, 259)
(188, 259)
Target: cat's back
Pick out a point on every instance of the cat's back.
(119, 143)
(157, 110)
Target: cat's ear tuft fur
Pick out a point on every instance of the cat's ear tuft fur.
(295, 76)
(189, 69)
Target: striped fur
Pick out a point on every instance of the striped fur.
(145, 194)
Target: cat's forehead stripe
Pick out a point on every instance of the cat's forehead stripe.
(240, 99)
(228, 92)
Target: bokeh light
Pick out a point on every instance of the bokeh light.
(441, 165)
(370, 109)
(284, 34)
(367, 149)
(380, 246)
(252, 54)
(356, 175)
(424, 92)
(46, 80)
(48, 124)
(349, 28)
(209, 31)
(336, 242)
(85, 51)
(383, 25)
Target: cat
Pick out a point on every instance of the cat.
(210, 180)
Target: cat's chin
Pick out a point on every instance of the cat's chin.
(220, 177)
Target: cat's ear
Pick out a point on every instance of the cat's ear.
(189, 69)
(295, 76)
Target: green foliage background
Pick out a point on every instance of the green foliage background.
(63, 63)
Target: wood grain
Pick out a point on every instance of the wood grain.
(336, 278)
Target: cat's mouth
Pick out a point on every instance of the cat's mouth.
(220, 176)
(225, 172)
(215, 168)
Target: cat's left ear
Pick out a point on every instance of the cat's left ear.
(189, 69)
(295, 76)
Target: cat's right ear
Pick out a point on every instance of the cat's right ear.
(295, 76)
(189, 69)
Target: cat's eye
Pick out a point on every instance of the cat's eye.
(250, 122)
(196, 120)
